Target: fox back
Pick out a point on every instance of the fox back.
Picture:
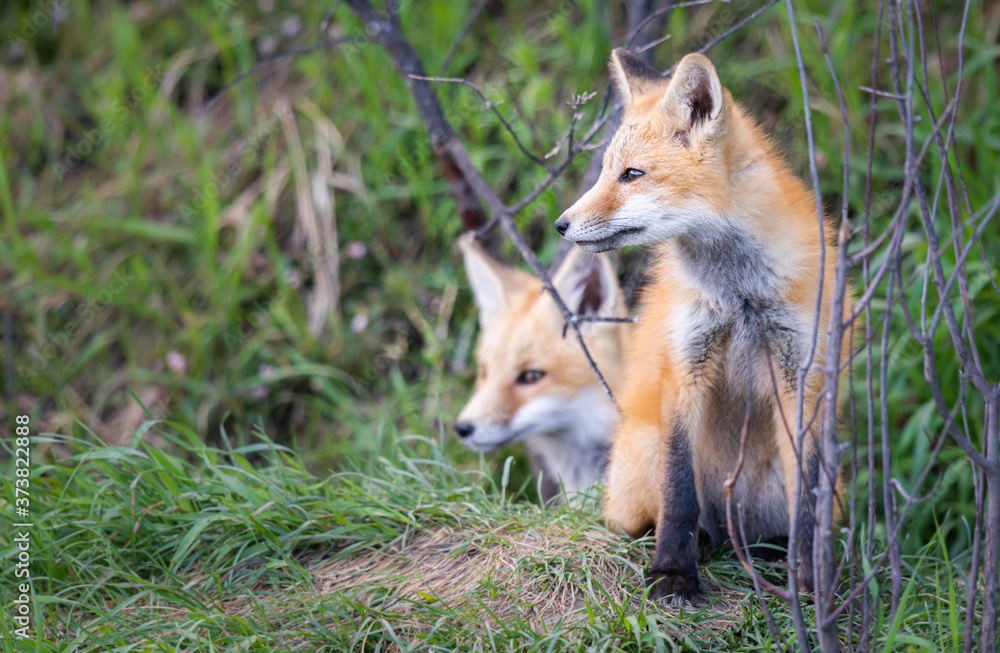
(534, 383)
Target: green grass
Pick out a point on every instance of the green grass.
(241, 548)
(153, 264)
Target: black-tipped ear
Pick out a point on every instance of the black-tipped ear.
(588, 284)
(632, 75)
(694, 96)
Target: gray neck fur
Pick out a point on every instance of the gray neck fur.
(728, 264)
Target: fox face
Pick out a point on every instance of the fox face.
(532, 380)
(665, 171)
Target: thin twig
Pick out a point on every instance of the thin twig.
(652, 44)
(879, 93)
(460, 36)
(492, 107)
(660, 12)
(827, 572)
(325, 43)
(828, 639)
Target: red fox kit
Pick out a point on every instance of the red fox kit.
(727, 319)
(534, 384)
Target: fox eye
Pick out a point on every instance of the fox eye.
(527, 377)
(631, 174)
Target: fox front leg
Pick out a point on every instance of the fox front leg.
(675, 562)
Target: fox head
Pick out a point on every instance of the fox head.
(666, 170)
(531, 379)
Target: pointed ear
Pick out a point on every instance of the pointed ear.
(492, 282)
(588, 284)
(694, 98)
(633, 76)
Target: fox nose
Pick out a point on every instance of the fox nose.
(562, 224)
(464, 429)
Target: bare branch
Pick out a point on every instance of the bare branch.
(492, 107)
(407, 63)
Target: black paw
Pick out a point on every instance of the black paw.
(681, 587)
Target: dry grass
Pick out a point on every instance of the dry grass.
(506, 571)
(541, 577)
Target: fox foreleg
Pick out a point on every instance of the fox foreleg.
(675, 561)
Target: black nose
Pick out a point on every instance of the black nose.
(464, 429)
(562, 224)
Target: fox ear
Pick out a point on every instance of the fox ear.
(632, 75)
(588, 284)
(694, 97)
(492, 282)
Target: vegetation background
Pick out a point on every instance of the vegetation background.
(241, 330)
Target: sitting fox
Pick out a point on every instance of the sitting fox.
(725, 324)
(533, 383)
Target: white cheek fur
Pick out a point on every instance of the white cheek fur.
(658, 222)
(571, 435)
(586, 417)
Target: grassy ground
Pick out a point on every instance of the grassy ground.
(282, 263)
(241, 548)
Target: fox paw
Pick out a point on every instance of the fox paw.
(681, 587)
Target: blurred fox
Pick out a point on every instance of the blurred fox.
(533, 383)
(725, 324)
